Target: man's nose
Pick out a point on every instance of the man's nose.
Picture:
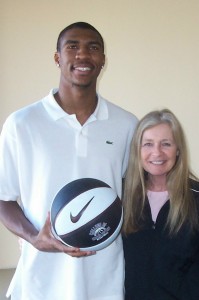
(82, 52)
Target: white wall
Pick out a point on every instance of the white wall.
(152, 49)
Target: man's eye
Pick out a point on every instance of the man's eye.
(94, 47)
(72, 47)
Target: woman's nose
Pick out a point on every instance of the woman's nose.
(157, 149)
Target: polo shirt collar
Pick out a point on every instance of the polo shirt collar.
(56, 112)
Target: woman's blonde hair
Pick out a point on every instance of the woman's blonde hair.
(182, 208)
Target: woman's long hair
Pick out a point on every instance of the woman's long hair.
(182, 208)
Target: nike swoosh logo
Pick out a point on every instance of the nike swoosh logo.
(76, 218)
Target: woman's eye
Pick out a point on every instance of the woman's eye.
(166, 144)
(147, 145)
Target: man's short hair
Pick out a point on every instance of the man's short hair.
(82, 25)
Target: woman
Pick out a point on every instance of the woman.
(161, 214)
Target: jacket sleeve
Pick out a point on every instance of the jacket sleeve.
(190, 286)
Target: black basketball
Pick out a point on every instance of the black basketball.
(86, 213)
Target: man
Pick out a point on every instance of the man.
(72, 133)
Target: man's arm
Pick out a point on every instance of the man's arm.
(13, 218)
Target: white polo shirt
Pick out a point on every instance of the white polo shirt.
(42, 148)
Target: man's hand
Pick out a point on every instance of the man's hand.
(45, 241)
(14, 219)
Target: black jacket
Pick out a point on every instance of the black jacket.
(159, 267)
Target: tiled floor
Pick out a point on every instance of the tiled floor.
(5, 278)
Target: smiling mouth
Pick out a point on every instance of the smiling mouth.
(83, 69)
(159, 162)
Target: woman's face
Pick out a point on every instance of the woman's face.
(158, 150)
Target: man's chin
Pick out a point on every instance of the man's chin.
(81, 84)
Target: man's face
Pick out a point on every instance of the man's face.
(81, 57)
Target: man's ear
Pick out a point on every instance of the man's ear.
(56, 59)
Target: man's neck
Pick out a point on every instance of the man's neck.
(79, 102)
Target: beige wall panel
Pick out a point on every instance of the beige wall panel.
(152, 49)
